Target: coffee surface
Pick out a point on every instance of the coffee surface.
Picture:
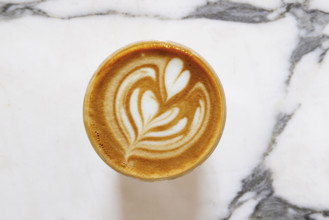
(154, 110)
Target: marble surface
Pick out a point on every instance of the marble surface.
(271, 56)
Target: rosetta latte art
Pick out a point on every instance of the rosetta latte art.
(154, 110)
(160, 113)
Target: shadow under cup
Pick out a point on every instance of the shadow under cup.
(154, 110)
(175, 199)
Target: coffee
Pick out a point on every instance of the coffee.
(154, 110)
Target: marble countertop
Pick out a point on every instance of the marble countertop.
(271, 56)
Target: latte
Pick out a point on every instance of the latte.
(154, 110)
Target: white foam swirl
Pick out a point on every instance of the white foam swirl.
(153, 128)
(122, 93)
(175, 79)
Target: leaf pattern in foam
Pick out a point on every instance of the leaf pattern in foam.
(171, 131)
(122, 93)
(164, 118)
(175, 79)
(145, 109)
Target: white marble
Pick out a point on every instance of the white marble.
(277, 123)
(168, 8)
(320, 5)
(302, 175)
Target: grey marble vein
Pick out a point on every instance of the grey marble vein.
(259, 183)
(273, 207)
(260, 180)
(281, 122)
(310, 24)
(231, 11)
(14, 10)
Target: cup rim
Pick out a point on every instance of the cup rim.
(147, 44)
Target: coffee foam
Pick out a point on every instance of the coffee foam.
(150, 106)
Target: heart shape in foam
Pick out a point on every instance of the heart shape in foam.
(175, 78)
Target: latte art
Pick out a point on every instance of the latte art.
(154, 110)
(152, 128)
